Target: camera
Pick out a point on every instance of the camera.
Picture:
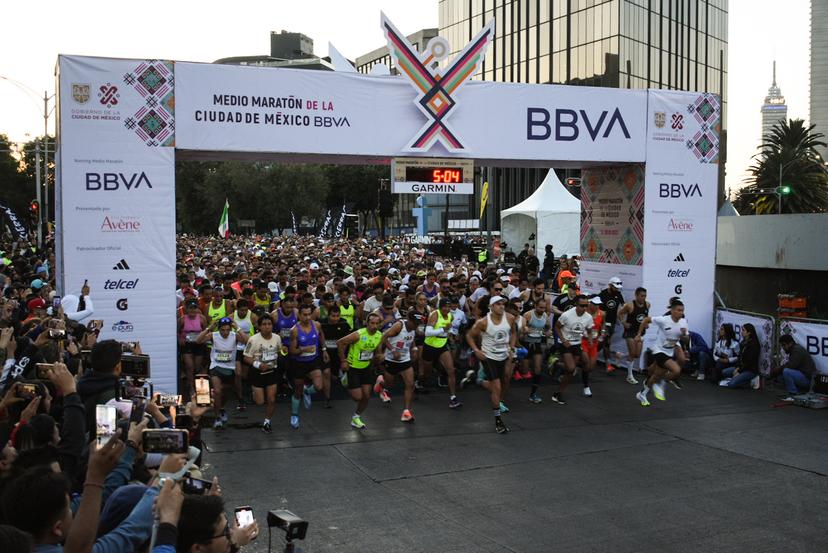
(295, 528)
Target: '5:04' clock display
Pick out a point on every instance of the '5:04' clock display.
(447, 175)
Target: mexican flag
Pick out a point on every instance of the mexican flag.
(224, 223)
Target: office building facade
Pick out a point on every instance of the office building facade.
(774, 109)
(667, 44)
(819, 69)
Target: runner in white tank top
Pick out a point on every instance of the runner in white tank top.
(497, 342)
(398, 342)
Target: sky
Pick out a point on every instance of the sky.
(759, 31)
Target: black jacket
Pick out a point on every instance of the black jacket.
(96, 388)
(749, 357)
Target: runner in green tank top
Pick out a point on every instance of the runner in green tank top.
(357, 350)
(437, 333)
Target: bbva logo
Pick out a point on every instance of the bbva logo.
(114, 181)
(678, 190)
(569, 124)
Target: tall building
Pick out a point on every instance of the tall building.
(287, 49)
(669, 44)
(774, 109)
(819, 68)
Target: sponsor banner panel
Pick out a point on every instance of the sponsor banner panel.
(680, 203)
(229, 108)
(764, 331)
(117, 199)
(612, 214)
(811, 336)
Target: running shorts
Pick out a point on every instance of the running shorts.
(661, 359)
(259, 380)
(360, 377)
(396, 367)
(574, 350)
(493, 369)
(226, 377)
(298, 370)
(431, 354)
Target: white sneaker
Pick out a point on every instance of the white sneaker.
(658, 391)
(631, 379)
(724, 383)
(587, 392)
(700, 376)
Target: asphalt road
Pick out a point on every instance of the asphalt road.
(709, 469)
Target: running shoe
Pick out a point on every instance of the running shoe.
(676, 384)
(294, 421)
(556, 397)
(724, 383)
(503, 408)
(500, 427)
(379, 384)
(218, 424)
(587, 392)
(517, 376)
(700, 376)
(468, 380)
(241, 406)
(610, 368)
(658, 391)
(266, 428)
(223, 416)
(420, 389)
(789, 399)
(631, 379)
(384, 396)
(306, 398)
(535, 398)
(356, 422)
(454, 403)
(643, 399)
(407, 416)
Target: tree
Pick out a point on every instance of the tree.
(16, 191)
(793, 147)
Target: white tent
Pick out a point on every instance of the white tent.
(551, 213)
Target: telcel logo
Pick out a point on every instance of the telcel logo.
(678, 273)
(121, 284)
(676, 190)
(114, 181)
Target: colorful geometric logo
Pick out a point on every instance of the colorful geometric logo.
(154, 122)
(435, 85)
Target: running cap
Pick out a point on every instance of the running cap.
(36, 303)
(438, 266)
(314, 266)
(444, 302)
(273, 287)
(596, 300)
(494, 299)
(615, 281)
(225, 321)
(500, 271)
(421, 273)
(504, 278)
(36, 284)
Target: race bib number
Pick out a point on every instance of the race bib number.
(330, 344)
(191, 336)
(284, 333)
(308, 353)
(224, 356)
(366, 355)
(268, 356)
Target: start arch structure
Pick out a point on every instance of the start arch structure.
(649, 158)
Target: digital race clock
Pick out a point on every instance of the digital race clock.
(432, 176)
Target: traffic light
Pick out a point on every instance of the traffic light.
(34, 209)
(784, 190)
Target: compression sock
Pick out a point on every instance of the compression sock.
(536, 380)
(294, 405)
(646, 390)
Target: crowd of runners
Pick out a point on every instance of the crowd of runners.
(297, 317)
